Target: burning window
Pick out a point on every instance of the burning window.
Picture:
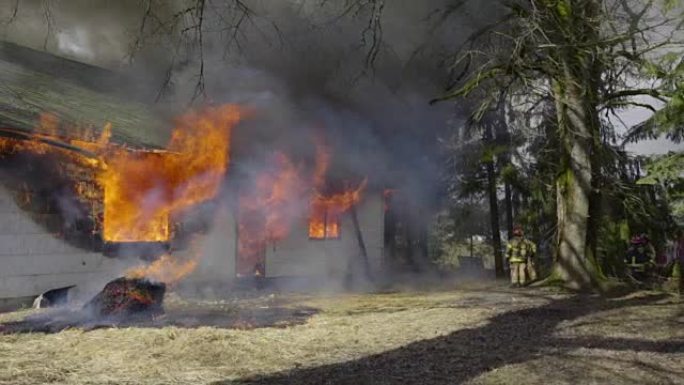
(324, 224)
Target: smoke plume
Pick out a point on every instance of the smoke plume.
(358, 73)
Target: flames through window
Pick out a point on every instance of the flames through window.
(324, 223)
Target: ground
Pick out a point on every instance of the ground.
(482, 334)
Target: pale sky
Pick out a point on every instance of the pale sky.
(633, 116)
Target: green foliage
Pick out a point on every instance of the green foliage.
(613, 240)
(509, 172)
(627, 208)
(451, 232)
(491, 152)
(667, 173)
(562, 53)
(668, 71)
(450, 254)
(670, 5)
(564, 8)
(670, 119)
(664, 170)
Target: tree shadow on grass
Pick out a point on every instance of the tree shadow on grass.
(509, 338)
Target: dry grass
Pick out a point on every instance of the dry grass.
(348, 328)
(642, 344)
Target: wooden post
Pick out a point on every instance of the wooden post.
(362, 244)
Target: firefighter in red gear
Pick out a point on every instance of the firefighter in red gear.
(520, 253)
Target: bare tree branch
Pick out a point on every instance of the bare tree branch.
(15, 11)
(636, 92)
(372, 34)
(47, 13)
(137, 44)
(200, 86)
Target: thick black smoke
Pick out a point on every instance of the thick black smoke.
(360, 71)
(360, 74)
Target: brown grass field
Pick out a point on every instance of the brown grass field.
(475, 335)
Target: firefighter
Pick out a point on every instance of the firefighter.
(519, 252)
(640, 257)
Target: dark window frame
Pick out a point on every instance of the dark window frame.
(326, 236)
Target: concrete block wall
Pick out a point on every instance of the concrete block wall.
(33, 260)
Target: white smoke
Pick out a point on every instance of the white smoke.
(75, 42)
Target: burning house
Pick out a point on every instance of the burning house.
(92, 178)
(48, 236)
(291, 223)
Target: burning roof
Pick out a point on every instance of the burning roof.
(80, 95)
(138, 192)
(142, 189)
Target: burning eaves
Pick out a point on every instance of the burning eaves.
(140, 191)
(136, 194)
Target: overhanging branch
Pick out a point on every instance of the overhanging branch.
(636, 92)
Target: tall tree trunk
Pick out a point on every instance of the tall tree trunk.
(508, 193)
(595, 208)
(493, 205)
(575, 264)
(516, 203)
(575, 90)
(503, 138)
(494, 217)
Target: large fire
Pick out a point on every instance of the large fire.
(281, 194)
(165, 269)
(266, 211)
(44, 140)
(325, 210)
(142, 189)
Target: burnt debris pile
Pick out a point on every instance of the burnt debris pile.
(127, 297)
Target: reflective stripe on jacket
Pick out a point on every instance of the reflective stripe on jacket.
(519, 249)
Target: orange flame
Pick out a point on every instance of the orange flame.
(265, 214)
(45, 140)
(48, 124)
(324, 219)
(145, 298)
(142, 189)
(166, 269)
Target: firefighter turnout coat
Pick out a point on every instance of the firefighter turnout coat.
(519, 249)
